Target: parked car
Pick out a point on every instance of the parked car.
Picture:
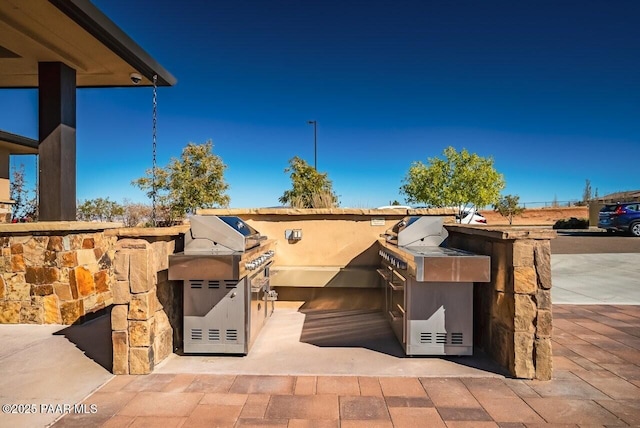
(470, 217)
(620, 217)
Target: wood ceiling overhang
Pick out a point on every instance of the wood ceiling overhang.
(75, 33)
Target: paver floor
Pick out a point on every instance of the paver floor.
(596, 383)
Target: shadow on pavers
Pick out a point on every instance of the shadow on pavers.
(93, 337)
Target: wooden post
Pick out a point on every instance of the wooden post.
(57, 141)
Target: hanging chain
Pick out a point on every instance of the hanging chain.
(37, 210)
(37, 191)
(153, 170)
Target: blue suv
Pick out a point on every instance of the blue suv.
(621, 217)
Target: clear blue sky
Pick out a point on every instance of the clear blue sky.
(549, 89)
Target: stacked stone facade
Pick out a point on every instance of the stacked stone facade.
(143, 301)
(512, 314)
(56, 278)
(59, 276)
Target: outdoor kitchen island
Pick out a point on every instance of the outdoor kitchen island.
(511, 313)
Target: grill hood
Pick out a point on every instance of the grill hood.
(420, 231)
(220, 235)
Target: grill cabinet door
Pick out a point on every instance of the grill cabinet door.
(214, 316)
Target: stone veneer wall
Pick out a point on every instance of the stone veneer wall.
(54, 275)
(147, 308)
(59, 272)
(512, 314)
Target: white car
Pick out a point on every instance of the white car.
(470, 217)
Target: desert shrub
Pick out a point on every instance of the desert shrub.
(310, 188)
(572, 223)
(320, 199)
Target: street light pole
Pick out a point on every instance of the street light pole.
(315, 143)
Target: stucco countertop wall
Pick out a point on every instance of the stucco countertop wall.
(326, 211)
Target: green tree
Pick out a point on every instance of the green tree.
(99, 209)
(311, 189)
(459, 180)
(25, 206)
(195, 180)
(508, 206)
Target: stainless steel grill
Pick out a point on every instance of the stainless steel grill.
(225, 273)
(429, 287)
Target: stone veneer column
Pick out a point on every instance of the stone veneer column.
(141, 332)
(531, 295)
(513, 317)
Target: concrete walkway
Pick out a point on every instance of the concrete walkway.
(579, 278)
(41, 367)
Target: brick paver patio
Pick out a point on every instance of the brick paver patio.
(596, 383)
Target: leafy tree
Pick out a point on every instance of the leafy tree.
(25, 206)
(99, 209)
(196, 180)
(311, 189)
(459, 180)
(508, 206)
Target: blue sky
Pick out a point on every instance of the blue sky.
(549, 89)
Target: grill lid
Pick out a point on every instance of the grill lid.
(237, 224)
(421, 231)
(220, 235)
